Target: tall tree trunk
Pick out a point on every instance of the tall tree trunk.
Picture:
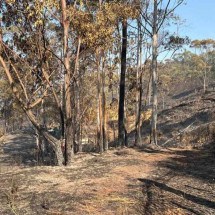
(61, 107)
(204, 80)
(100, 137)
(69, 132)
(101, 98)
(78, 102)
(139, 137)
(78, 124)
(154, 75)
(121, 125)
(104, 117)
(138, 88)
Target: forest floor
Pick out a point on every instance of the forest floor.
(125, 181)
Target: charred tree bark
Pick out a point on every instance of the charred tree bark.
(100, 136)
(104, 117)
(121, 125)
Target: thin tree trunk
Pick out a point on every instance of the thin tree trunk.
(138, 87)
(205, 77)
(154, 76)
(100, 136)
(102, 110)
(121, 125)
(78, 106)
(104, 117)
(139, 137)
(78, 110)
(69, 132)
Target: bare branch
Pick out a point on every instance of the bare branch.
(166, 13)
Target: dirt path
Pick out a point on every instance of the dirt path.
(127, 181)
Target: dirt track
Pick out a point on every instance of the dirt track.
(127, 181)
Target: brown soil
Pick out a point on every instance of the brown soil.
(125, 181)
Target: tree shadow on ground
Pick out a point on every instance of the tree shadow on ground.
(185, 93)
(185, 181)
(197, 118)
(199, 163)
(157, 202)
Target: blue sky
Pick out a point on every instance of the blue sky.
(200, 19)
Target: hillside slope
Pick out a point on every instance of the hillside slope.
(190, 122)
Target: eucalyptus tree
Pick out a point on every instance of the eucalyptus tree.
(41, 47)
(156, 14)
(205, 48)
(30, 48)
(125, 11)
